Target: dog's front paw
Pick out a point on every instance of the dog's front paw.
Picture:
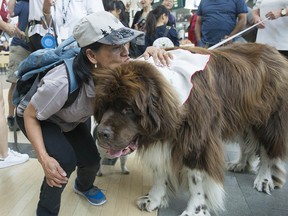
(147, 204)
(199, 211)
(264, 184)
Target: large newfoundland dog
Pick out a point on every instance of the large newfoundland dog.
(241, 94)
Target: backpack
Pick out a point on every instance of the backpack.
(164, 42)
(32, 69)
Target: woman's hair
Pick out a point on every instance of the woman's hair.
(119, 5)
(82, 66)
(153, 17)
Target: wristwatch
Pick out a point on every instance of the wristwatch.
(283, 12)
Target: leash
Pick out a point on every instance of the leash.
(236, 35)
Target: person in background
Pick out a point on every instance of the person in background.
(191, 27)
(274, 31)
(106, 3)
(35, 29)
(19, 50)
(219, 20)
(5, 22)
(61, 138)
(171, 19)
(118, 9)
(65, 15)
(156, 26)
(8, 157)
(137, 46)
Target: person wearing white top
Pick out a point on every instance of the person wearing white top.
(65, 15)
(273, 29)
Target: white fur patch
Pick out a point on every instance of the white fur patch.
(206, 194)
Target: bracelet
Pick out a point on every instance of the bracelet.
(46, 14)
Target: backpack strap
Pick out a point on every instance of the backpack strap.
(73, 85)
(166, 31)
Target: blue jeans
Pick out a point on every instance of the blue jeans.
(70, 149)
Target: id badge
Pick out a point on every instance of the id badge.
(48, 41)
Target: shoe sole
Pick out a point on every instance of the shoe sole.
(95, 204)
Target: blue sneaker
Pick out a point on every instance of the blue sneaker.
(94, 195)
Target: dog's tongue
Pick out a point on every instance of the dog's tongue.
(114, 153)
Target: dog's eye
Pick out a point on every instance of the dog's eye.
(127, 110)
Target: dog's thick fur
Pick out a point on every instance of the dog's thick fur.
(241, 95)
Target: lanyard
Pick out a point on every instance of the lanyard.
(65, 11)
(46, 24)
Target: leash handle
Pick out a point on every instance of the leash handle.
(236, 35)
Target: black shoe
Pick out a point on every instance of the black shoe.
(12, 123)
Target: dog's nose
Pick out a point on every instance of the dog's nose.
(104, 134)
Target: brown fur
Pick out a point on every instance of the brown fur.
(243, 88)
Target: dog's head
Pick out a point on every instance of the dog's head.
(134, 106)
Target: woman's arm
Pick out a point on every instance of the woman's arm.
(240, 25)
(197, 31)
(47, 4)
(55, 175)
(257, 19)
(11, 6)
(275, 14)
(7, 27)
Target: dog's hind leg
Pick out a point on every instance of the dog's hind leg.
(249, 146)
(206, 194)
(273, 139)
(124, 168)
(271, 173)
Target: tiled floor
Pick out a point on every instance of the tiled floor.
(241, 198)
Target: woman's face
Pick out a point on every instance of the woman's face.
(145, 3)
(111, 56)
(168, 4)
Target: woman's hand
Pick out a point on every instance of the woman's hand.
(160, 56)
(55, 175)
(20, 34)
(259, 20)
(273, 14)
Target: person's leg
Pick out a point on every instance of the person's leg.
(7, 157)
(17, 54)
(58, 147)
(3, 127)
(88, 158)
(88, 163)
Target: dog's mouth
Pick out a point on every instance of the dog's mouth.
(115, 153)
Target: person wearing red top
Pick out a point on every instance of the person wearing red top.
(191, 28)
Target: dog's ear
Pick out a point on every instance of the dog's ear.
(105, 84)
(156, 101)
